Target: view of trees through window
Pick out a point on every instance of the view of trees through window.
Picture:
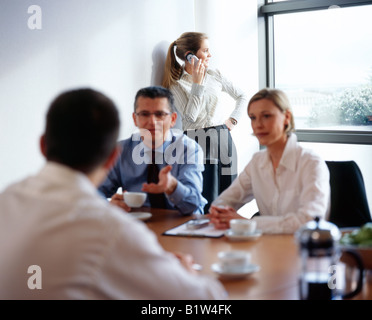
(350, 107)
(323, 61)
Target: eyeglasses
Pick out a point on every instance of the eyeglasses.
(159, 115)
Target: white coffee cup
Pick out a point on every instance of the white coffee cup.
(243, 226)
(234, 260)
(134, 199)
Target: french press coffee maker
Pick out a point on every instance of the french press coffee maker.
(321, 277)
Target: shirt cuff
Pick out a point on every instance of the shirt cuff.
(235, 115)
(178, 194)
(197, 89)
(233, 121)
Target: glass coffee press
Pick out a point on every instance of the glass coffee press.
(321, 277)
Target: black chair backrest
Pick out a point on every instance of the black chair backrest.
(349, 204)
(210, 182)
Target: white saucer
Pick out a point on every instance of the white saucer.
(141, 215)
(216, 267)
(245, 236)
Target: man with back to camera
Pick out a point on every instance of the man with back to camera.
(60, 240)
(180, 159)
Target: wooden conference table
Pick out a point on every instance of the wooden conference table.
(277, 256)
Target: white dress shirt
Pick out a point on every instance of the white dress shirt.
(199, 104)
(85, 247)
(297, 192)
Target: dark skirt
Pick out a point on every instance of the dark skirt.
(220, 158)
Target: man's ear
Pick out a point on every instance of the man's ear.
(134, 119)
(43, 145)
(111, 160)
(173, 119)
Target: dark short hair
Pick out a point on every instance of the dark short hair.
(82, 128)
(155, 92)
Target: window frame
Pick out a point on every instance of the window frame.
(266, 11)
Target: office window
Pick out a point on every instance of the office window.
(323, 62)
(320, 55)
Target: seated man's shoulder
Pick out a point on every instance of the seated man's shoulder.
(106, 213)
(130, 142)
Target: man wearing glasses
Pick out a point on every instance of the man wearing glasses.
(179, 160)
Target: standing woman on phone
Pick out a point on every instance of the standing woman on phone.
(197, 89)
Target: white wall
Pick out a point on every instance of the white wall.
(115, 46)
(109, 45)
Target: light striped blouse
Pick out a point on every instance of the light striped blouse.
(199, 105)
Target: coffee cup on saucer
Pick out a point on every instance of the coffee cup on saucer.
(134, 199)
(234, 260)
(243, 226)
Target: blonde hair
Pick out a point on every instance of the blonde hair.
(280, 99)
(187, 42)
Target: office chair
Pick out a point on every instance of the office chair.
(349, 205)
(210, 182)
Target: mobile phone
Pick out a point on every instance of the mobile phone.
(190, 56)
(197, 224)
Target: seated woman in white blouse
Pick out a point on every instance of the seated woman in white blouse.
(290, 183)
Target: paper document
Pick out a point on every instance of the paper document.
(182, 230)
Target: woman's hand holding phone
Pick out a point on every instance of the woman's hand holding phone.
(198, 71)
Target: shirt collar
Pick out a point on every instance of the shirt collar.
(185, 74)
(288, 159)
(171, 136)
(61, 174)
(266, 161)
(163, 147)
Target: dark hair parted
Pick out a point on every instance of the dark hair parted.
(82, 128)
(155, 92)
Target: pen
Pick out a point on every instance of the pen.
(191, 234)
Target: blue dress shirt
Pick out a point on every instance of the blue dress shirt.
(182, 153)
